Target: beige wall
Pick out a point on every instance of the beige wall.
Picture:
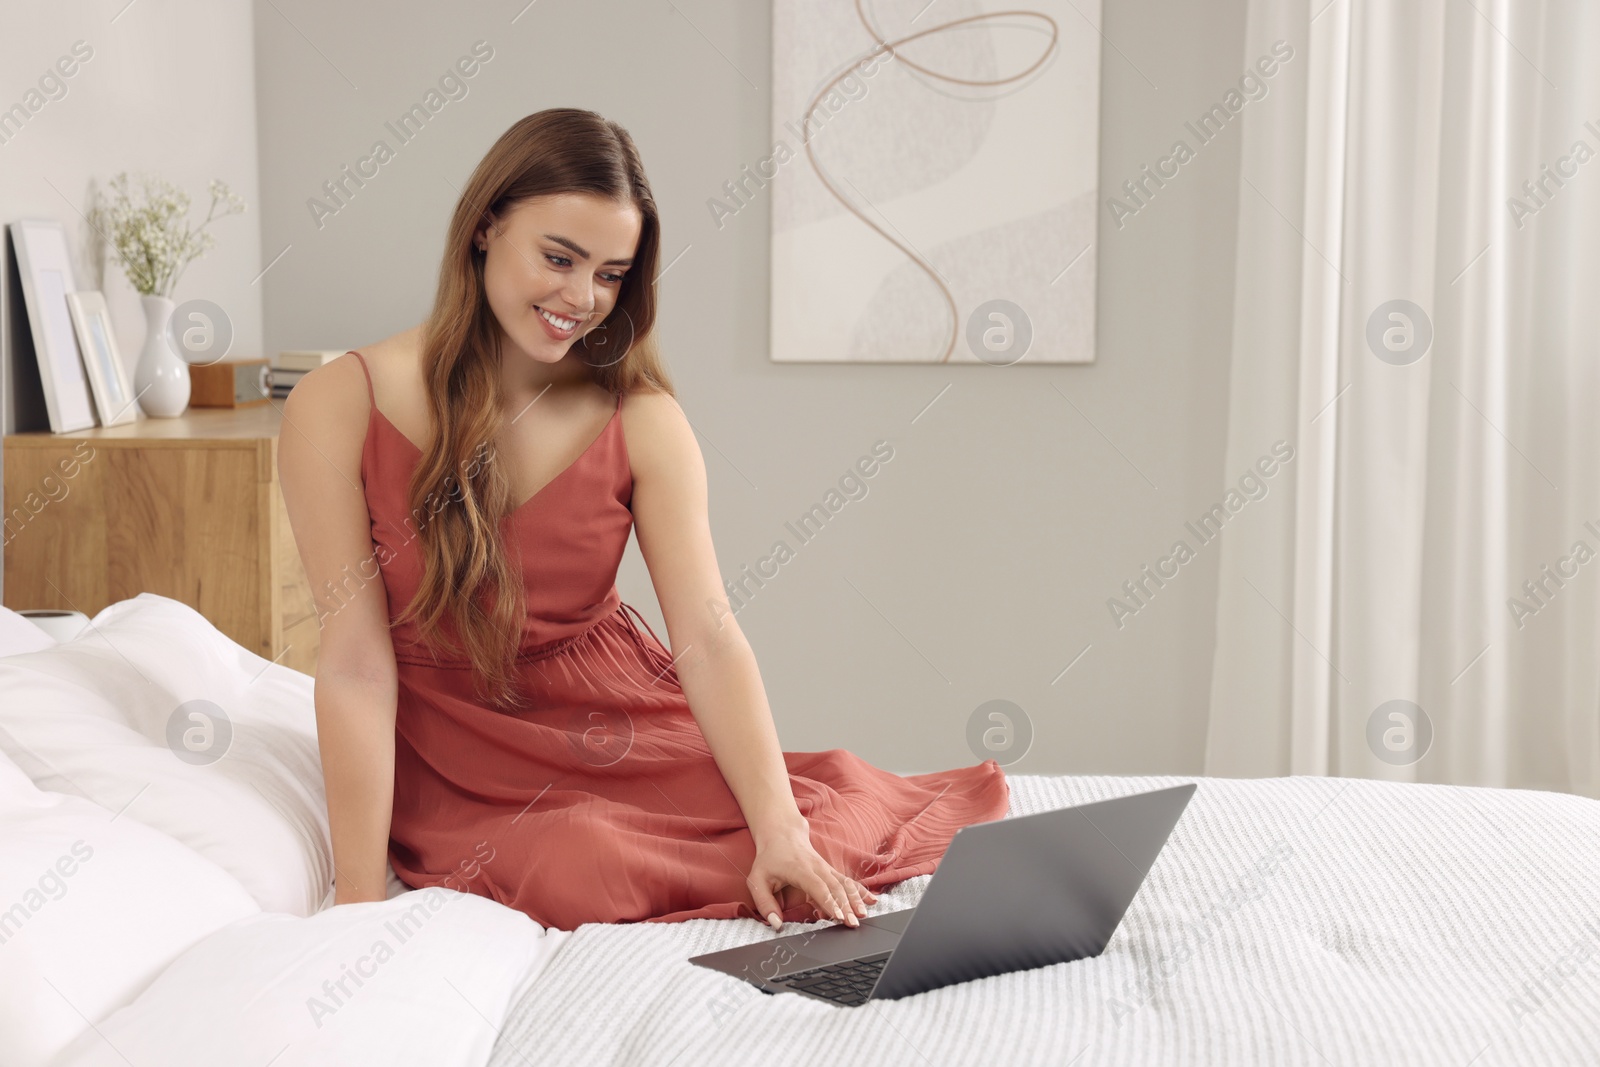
(979, 563)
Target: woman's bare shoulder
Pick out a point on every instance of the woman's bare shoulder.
(646, 390)
(334, 396)
(656, 430)
(394, 367)
(649, 405)
(397, 352)
(335, 390)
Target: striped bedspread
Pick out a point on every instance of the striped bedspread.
(1289, 921)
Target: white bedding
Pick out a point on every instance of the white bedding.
(1289, 921)
(419, 981)
(161, 911)
(1302, 920)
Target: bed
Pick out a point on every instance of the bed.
(164, 874)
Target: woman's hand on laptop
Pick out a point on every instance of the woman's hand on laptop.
(790, 860)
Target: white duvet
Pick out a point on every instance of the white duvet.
(1288, 921)
(164, 859)
(159, 910)
(423, 979)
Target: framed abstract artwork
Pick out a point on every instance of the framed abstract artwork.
(933, 182)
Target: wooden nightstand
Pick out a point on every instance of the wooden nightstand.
(188, 508)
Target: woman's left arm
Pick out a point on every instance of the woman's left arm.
(714, 662)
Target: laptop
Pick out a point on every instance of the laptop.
(1008, 895)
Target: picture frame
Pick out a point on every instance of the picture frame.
(919, 217)
(108, 378)
(45, 268)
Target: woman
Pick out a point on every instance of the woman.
(490, 717)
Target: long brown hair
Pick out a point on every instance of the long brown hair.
(468, 583)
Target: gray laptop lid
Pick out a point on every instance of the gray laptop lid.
(1031, 890)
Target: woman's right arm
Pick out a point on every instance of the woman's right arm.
(319, 463)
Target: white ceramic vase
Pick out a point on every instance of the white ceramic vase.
(161, 380)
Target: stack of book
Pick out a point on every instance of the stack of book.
(291, 366)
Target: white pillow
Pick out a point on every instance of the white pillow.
(118, 715)
(426, 979)
(96, 907)
(17, 634)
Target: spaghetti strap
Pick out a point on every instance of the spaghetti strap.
(370, 395)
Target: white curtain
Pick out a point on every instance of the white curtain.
(1446, 154)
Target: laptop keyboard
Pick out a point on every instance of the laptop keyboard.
(847, 983)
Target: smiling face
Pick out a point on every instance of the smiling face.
(555, 267)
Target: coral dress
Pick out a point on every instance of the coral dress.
(600, 801)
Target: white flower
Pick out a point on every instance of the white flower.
(149, 236)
